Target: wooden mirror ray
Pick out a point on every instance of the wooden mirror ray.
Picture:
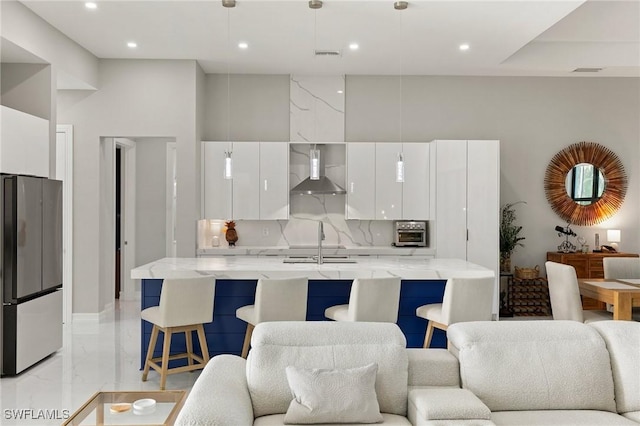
(609, 165)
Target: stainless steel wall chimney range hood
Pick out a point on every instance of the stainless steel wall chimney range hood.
(323, 185)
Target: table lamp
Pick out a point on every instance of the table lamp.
(613, 237)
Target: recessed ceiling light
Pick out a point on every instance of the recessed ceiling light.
(464, 46)
(354, 46)
(90, 5)
(243, 45)
(132, 44)
(340, 91)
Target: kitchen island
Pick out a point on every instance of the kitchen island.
(423, 282)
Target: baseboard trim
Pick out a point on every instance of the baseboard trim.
(93, 317)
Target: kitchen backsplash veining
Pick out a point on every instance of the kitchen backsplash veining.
(300, 229)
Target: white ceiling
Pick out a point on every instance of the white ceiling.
(508, 37)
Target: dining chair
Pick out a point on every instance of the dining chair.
(465, 299)
(564, 295)
(621, 268)
(370, 300)
(275, 300)
(185, 305)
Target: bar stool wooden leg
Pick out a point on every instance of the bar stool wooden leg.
(165, 357)
(428, 335)
(247, 340)
(203, 343)
(189, 342)
(152, 345)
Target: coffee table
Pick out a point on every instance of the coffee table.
(97, 410)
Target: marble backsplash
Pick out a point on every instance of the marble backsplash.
(301, 229)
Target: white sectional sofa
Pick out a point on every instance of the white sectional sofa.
(234, 392)
(495, 373)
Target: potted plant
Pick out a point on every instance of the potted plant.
(510, 237)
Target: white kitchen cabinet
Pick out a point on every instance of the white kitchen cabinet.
(388, 191)
(246, 180)
(216, 191)
(468, 202)
(451, 199)
(415, 189)
(259, 188)
(361, 178)
(372, 190)
(274, 180)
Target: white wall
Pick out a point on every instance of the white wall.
(532, 117)
(27, 30)
(137, 98)
(151, 156)
(27, 88)
(258, 110)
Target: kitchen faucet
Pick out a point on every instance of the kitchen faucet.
(320, 238)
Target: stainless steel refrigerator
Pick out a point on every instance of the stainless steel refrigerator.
(31, 270)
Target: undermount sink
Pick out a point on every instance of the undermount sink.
(315, 246)
(325, 259)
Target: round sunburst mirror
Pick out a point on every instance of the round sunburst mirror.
(585, 183)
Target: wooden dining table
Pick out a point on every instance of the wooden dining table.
(623, 294)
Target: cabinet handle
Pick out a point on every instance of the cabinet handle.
(351, 190)
(265, 185)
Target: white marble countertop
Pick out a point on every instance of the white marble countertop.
(312, 250)
(241, 267)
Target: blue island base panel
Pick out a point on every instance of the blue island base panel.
(225, 335)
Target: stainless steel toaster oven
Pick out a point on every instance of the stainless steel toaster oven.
(411, 233)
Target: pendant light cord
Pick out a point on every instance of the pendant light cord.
(400, 50)
(228, 77)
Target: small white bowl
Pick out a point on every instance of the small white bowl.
(144, 406)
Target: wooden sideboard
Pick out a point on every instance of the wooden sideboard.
(588, 265)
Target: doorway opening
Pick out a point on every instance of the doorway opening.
(118, 199)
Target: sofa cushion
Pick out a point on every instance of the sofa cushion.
(534, 365)
(623, 341)
(559, 417)
(329, 345)
(333, 396)
(447, 404)
(433, 367)
(633, 415)
(278, 420)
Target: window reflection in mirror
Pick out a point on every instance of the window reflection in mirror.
(581, 185)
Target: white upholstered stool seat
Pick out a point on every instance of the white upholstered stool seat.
(465, 299)
(185, 305)
(433, 311)
(370, 299)
(276, 300)
(247, 314)
(564, 295)
(338, 313)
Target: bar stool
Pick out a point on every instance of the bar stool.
(465, 299)
(370, 300)
(276, 300)
(185, 305)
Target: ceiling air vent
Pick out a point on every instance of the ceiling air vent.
(587, 70)
(327, 53)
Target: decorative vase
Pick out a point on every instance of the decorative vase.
(231, 235)
(505, 264)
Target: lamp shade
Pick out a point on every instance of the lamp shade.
(613, 235)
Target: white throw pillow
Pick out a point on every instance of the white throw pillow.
(333, 396)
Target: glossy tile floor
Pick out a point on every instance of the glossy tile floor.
(104, 356)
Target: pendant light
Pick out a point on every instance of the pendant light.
(314, 163)
(400, 161)
(314, 152)
(228, 161)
